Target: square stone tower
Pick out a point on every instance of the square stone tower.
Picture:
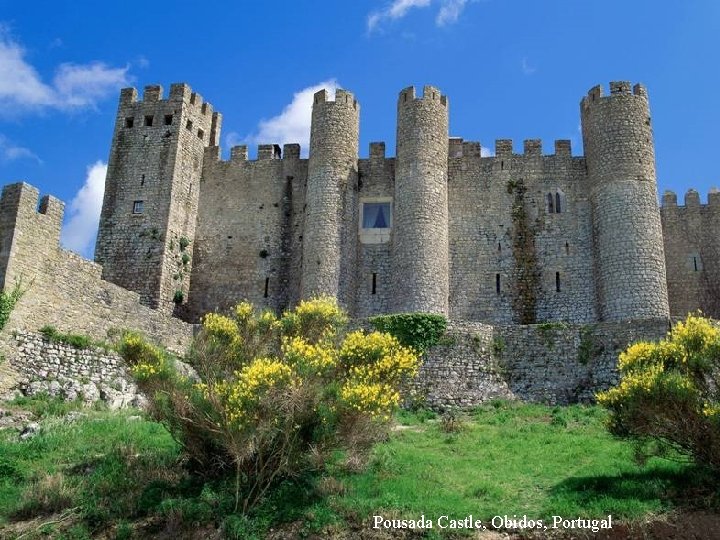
(147, 225)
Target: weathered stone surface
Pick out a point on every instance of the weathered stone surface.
(556, 363)
(66, 372)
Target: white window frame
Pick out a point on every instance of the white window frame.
(374, 236)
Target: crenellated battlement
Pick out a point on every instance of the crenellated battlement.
(265, 152)
(21, 201)
(377, 150)
(692, 199)
(430, 93)
(532, 148)
(153, 95)
(617, 88)
(342, 97)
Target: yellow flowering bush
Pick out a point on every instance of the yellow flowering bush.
(376, 399)
(146, 361)
(669, 393)
(274, 393)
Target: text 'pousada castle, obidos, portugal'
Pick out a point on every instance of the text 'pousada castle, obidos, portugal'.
(507, 239)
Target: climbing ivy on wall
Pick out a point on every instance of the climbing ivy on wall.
(526, 272)
(417, 330)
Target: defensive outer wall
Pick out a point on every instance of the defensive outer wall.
(546, 264)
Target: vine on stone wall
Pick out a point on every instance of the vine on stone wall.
(527, 273)
(178, 251)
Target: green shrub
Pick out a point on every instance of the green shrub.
(417, 330)
(79, 341)
(184, 243)
(178, 297)
(8, 299)
(276, 396)
(668, 398)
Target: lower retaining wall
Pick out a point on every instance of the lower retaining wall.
(61, 370)
(555, 363)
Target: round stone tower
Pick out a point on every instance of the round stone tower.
(420, 222)
(332, 173)
(627, 235)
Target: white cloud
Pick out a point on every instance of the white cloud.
(292, 125)
(79, 232)
(73, 86)
(10, 151)
(396, 10)
(527, 69)
(449, 12)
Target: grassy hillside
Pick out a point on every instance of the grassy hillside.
(115, 475)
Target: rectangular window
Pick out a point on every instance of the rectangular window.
(497, 283)
(137, 207)
(374, 283)
(201, 134)
(557, 281)
(376, 215)
(188, 126)
(149, 121)
(168, 119)
(129, 121)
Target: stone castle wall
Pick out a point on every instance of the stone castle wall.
(250, 230)
(555, 363)
(151, 193)
(627, 233)
(66, 372)
(692, 251)
(62, 288)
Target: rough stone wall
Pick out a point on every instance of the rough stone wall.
(156, 158)
(692, 253)
(555, 363)
(420, 232)
(376, 180)
(482, 232)
(60, 370)
(629, 257)
(567, 363)
(63, 289)
(462, 371)
(249, 230)
(329, 237)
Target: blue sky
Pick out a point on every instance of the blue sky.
(511, 68)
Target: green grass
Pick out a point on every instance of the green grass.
(506, 459)
(514, 459)
(97, 467)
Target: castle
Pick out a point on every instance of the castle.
(507, 239)
(513, 238)
(495, 243)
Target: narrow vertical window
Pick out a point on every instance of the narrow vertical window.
(374, 283)
(267, 283)
(550, 205)
(142, 180)
(497, 283)
(567, 248)
(557, 281)
(499, 247)
(695, 263)
(557, 203)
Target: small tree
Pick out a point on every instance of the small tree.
(275, 395)
(669, 394)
